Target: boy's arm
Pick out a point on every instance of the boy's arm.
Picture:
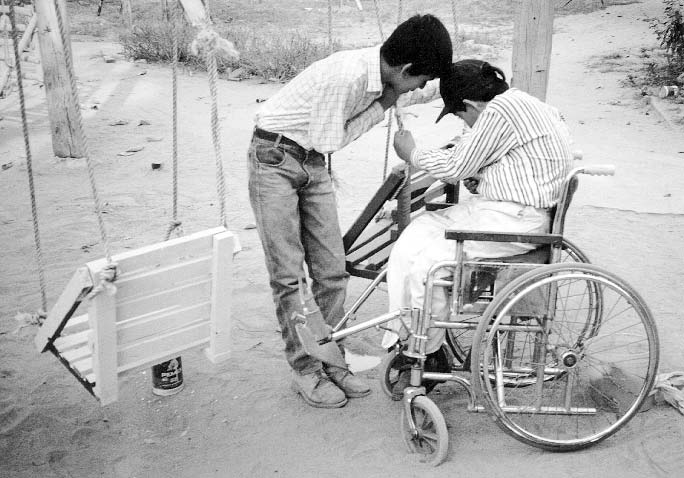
(331, 126)
(421, 95)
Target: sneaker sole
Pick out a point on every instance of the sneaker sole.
(314, 404)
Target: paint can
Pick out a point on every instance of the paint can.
(666, 91)
(167, 377)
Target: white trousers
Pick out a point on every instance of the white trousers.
(422, 244)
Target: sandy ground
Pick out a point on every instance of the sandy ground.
(241, 418)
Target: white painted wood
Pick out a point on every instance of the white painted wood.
(102, 313)
(163, 253)
(162, 346)
(169, 297)
(221, 297)
(190, 272)
(141, 328)
(184, 295)
(74, 292)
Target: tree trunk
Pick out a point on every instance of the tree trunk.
(532, 47)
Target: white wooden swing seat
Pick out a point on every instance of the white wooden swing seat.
(170, 297)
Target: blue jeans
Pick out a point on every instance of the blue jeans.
(294, 204)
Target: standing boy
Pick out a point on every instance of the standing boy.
(324, 108)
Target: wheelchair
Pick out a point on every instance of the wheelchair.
(561, 352)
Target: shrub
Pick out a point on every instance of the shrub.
(670, 30)
(266, 53)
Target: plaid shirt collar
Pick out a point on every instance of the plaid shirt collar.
(374, 77)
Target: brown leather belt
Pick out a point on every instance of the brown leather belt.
(275, 137)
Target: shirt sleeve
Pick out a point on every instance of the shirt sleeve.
(331, 126)
(420, 95)
(488, 141)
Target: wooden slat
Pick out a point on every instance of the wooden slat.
(77, 354)
(154, 349)
(370, 234)
(382, 195)
(75, 291)
(164, 278)
(184, 295)
(141, 328)
(167, 253)
(75, 323)
(67, 341)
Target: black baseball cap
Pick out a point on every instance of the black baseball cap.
(470, 79)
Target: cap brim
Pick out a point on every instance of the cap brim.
(445, 111)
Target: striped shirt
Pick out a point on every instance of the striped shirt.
(519, 149)
(332, 102)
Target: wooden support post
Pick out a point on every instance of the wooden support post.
(225, 245)
(127, 12)
(63, 114)
(532, 39)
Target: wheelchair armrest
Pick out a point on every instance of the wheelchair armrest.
(552, 239)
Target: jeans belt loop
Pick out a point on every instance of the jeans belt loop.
(276, 143)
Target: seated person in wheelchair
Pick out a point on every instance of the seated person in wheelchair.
(514, 159)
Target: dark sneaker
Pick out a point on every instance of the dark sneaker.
(317, 390)
(351, 385)
(435, 362)
(403, 381)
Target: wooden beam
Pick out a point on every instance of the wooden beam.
(64, 115)
(532, 38)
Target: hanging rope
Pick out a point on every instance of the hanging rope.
(108, 274)
(455, 19)
(175, 223)
(210, 44)
(29, 159)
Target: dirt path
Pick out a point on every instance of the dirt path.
(240, 418)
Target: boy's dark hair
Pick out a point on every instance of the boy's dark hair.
(474, 80)
(423, 41)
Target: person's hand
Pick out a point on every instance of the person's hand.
(471, 184)
(389, 97)
(404, 144)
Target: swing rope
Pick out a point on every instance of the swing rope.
(175, 223)
(108, 273)
(210, 43)
(29, 160)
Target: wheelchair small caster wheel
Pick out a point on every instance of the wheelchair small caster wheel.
(431, 438)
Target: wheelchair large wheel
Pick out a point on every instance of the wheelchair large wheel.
(595, 376)
(431, 439)
(460, 340)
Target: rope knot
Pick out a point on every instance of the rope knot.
(208, 41)
(107, 278)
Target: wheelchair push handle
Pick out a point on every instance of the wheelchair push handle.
(599, 170)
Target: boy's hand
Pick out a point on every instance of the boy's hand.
(404, 144)
(389, 97)
(471, 184)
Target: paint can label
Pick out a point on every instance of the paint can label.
(167, 377)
